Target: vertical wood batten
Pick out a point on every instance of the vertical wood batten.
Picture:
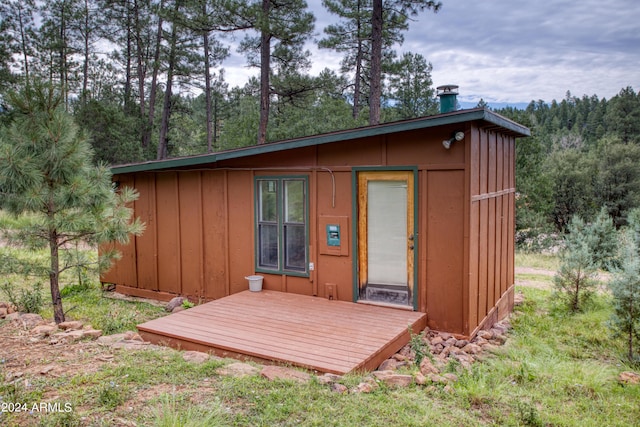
(474, 229)
(505, 216)
(493, 174)
(146, 244)
(499, 214)
(423, 227)
(191, 254)
(123, 270)
(483, 245)
(240, 220)
(512, 213)
(214, 233)
(168, 220)
(226, 235)
(498, 250)
(467, 301)
(129, 254)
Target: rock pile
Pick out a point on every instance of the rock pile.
(6, 308)
(38, 329)
(629, 377)
(62, 333)
(443, 358)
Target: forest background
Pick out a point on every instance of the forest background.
(145, 79)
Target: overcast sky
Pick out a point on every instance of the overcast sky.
(514, 51)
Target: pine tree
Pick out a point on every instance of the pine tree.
(411, 87)
(604, 240)
(398, 13)
(617, 177)
(283, 27)
(623, 115)
(575, 281)
(625, 288)
(17, 25)
(351, 35)
(46, 169)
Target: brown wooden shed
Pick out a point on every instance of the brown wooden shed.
(384, 215)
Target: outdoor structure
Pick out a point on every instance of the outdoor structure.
(416, 215)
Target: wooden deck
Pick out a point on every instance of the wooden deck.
(310, 332)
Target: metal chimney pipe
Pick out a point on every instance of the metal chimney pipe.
(448, 98)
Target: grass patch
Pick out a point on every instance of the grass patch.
(82, 297)
(110, 315)
(557, 369)
(537, 260)
(176, 410)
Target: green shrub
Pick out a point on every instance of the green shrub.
(112, 395)
(29, 300)
(418, 346)
(76, 289)
(61, 419)
(116, 321)
(173, 412)
(528, 414)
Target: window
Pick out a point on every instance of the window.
(281, 224)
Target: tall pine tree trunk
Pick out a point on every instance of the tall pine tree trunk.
(127, 69)
(23, 42)
(376, 63)
(62, 52)
(265, 57)
(357, 83)
(86, 54)
(632, 315)
(54, 272)
(207, 83)
(166, 109)
(146, 137)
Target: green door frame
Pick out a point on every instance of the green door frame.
(354, 210)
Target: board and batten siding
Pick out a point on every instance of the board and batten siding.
(491, 227)
(186, 248)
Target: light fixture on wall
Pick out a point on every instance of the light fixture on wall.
(458, 136)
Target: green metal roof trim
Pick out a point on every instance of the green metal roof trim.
(460, 116)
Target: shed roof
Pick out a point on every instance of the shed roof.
(460, 116)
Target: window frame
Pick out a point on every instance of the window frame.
(280, 223)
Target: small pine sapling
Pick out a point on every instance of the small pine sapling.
(603, 240)
(575, 280)
(625, 290)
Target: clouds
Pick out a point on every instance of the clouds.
(515, 51)
(518, 51)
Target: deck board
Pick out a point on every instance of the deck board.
(310, 332)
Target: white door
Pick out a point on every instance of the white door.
(386, 236)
